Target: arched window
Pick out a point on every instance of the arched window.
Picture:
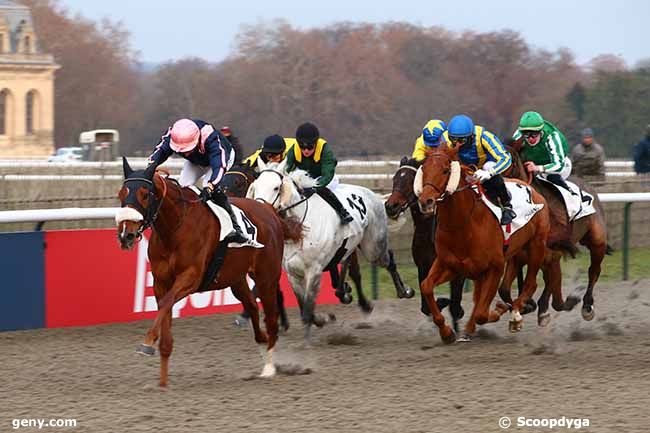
(3, 112)
(29, 113)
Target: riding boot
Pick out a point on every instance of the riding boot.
(237, 235)
(331, 199)
(557, 180)
(498, 188)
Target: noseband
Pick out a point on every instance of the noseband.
(150, 213)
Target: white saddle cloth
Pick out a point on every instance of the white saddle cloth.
(522, 204)
(578, 205)
(249, 229)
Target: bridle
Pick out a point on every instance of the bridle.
(410, 201)
(283, 211)
(150, 213)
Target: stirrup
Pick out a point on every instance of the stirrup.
(507, 215)
(237, 239)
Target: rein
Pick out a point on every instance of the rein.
(150, 215)
(283, 211)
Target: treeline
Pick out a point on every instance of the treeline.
(369, 88)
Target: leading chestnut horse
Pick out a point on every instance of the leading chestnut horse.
(469, 241)
(186, 255)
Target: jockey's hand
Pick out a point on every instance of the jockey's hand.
(308, 192)
(206, 193)
(482, 175)
(531, 167)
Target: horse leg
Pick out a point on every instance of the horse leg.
(268, 296)
(355, 274)
(166, 345)
(242, 292)
(509, 275)
(342, 289)
(389, 264)
(597, 254)
(485, 289)
(438, 274)
(284, 320)
(470, 326)
(536, 254)
(455, 308)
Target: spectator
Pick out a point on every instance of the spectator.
(588, 156)
(234, 141)
(642, 154)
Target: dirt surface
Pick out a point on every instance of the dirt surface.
(387, 372)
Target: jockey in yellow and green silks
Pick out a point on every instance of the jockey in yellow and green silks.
(483, 149)
(433, 134)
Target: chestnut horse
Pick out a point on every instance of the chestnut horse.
(186, 255)
(469, 241)
(423, 250)
(590, 231)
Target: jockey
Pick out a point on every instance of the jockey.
(483, 149)
(208, 154)
(545, 148)
(433, 134)
(275, 149)
(314, 155)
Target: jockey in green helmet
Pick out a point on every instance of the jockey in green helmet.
(545, 149)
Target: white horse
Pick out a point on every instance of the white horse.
(326, 241)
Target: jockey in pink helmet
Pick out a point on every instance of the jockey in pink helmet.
(208, 155)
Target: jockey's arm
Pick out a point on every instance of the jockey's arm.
(493, 146)
(556, 154)
(328, 166)
(215, 155)
(419, 150)
(161, 152)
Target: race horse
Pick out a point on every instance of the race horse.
(187, 256)
(325, 243)
(403, 198)
(590, 231)
(469, 241)
(235, 183)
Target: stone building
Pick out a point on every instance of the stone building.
(26, 86)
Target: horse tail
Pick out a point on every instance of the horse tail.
(292, 229)
(564, 246)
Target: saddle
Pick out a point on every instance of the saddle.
(577, 202)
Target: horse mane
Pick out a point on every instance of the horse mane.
(299, 177)
(410, 162)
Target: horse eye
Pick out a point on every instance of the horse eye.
(277, 188)
(446, 171)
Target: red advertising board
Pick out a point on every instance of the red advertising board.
(89, 280)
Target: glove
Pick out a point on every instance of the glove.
(206, 193)
(308, 192)
(482, 175)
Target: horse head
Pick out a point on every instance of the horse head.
(236, 181)
(439, 177)
(273, 185)
(139, 204)
(403, 196)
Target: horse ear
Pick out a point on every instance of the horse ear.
(285, 192)
(281, 167)
(403, 161)
(126, 167)
(261, 164)
(418, 182)
(452, 151)
(149, 172)
(251, 191)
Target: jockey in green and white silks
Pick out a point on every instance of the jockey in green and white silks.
(545, 149)
(483, 149)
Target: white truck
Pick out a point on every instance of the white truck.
(100, 144)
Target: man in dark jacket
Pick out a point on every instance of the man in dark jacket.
(588, 157)
(642, 154)
(315, 156)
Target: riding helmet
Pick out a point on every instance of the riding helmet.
(273, 144)
(461, 125)
(531, 121)
(307, 133)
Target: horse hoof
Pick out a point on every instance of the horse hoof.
(529, 307)
(544, 319)
(146, 350)
(465, 338)
(347, 288)
(449, 337)
(515, 326)
(408, 293)
(366, 308)
(345, 298)
(571, 302)
(588, 312)
(268, 371)
(241, 321)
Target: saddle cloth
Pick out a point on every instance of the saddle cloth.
(522, 203)
(222, 215)
(579, 204)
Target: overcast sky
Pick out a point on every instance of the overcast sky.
(171, 29)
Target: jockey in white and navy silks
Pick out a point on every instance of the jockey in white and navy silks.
(208, 155)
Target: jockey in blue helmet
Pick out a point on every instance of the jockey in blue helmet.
(483, 149)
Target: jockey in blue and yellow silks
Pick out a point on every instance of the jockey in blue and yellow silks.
(433, 134)
(483, 149)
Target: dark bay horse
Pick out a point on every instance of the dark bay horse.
(590, 231)
(235, 184)
(186, 255)
(469, 241)
(423, 250)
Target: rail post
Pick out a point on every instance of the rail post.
(626, 240)
(374, 278)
